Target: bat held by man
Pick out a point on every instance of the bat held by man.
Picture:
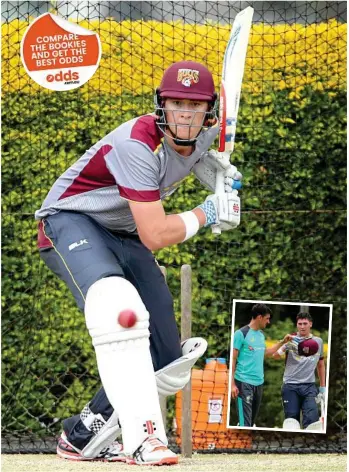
(233, 71)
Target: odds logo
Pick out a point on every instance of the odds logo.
(58, 54)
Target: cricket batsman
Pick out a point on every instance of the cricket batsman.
(98, 226)
(304, 355)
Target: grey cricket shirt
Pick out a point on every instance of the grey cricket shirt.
(133, 162)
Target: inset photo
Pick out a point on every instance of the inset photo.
(279, 366)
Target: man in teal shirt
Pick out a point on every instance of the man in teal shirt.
(249, 350)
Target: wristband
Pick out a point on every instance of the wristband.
(191, 223)
(210, 211)
(281, 350)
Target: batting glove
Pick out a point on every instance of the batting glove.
(211, 163)
(222, 209)
(221, 161)
(321, 395)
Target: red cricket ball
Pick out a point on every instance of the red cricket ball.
(127, 318)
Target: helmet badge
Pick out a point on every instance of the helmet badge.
(188, 77)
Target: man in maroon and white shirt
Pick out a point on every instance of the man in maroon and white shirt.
(98, 225)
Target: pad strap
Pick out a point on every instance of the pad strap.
(105, 432)
(93, 422)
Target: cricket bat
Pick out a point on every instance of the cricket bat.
(233, 71)
(323, 413)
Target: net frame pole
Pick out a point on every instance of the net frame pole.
(186, 315)
(163, 398)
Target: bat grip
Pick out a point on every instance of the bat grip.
(219, 189)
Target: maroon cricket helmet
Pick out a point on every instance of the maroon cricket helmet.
(187, 79)
(308, 347)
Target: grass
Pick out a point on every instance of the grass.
(198, 463)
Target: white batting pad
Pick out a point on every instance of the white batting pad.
(105, 431)
(124, 360)
(175, 376)
(317, 426)
(291, 423)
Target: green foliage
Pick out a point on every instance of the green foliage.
(293, 156)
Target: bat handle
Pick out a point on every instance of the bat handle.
(219, 189)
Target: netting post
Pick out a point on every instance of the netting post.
(162, 398)
(185, 334)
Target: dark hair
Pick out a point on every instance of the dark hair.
(260, 309)
(303, 315)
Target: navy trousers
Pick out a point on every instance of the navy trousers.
(248, 402)
(299, 398)
(83, 252)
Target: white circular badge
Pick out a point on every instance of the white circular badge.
(58, 54)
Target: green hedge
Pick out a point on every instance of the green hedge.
(293, 157)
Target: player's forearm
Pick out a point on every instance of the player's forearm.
(322, 374)
(233, 368)
(279, 348)
(270, 351)
(172, 230)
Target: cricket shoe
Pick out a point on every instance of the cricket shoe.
(152, 452)
(112, 453)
